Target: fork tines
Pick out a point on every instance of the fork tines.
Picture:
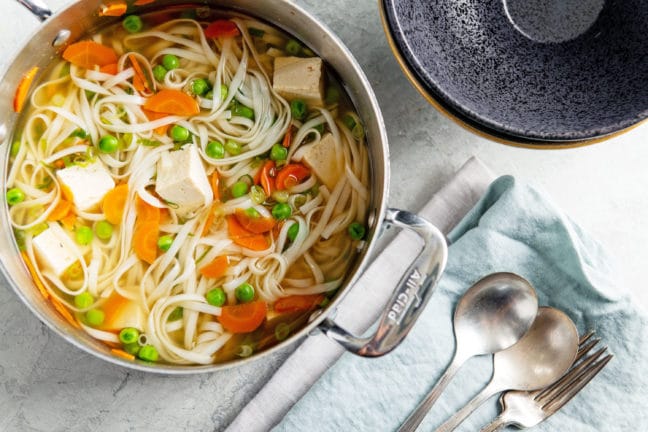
(559, 393)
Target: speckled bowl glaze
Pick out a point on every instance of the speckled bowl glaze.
(535, 72)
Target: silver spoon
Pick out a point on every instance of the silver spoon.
(542, 356)
(491, 316)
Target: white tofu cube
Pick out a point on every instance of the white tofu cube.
(322, 159)
(88, 184)
(300, 78)
(182, 181)
(54, 249)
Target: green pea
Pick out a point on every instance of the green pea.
(132, 24)
(108, 144)
(170, 62)
(278, 153)
(95, 317)
(257, 195)
(356, 231)
(129, 335)
(216, 297)
(281, 211)
(200, 86)
(293, 231)
(132, 348)
(332, 95)
(233, 147)
(209, 95)
(15, 148)
(165, 242)
(15, 196)
(104, 230)
(176, 314)
(349, 122)
(179, 133)
(243, 111)
(83, 235)
(298, 109)
(159, 72)
(239, 189)
(282, 331)
(293, 47)
(148, 353)
(215, 150)
(83, 300)
(244, 292)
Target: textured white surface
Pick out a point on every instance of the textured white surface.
(46, 385)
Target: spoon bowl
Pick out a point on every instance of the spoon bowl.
(491, 316)
(540, 358)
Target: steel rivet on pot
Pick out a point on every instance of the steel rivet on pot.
(61, 38)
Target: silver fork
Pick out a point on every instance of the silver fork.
(527, 409)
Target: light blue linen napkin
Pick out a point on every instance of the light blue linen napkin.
(512, 228)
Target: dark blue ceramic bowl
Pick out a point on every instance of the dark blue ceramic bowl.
(535, 72)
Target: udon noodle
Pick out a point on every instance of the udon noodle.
(184, 282)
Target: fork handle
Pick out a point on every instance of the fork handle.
(497, 424)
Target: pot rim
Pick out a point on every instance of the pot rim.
(375, 137)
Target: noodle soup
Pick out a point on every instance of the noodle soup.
(186, 189)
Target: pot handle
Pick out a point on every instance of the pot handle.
(37, 7)
(410, 297)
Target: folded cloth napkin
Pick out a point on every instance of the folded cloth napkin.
(361, 307)
(512, 228)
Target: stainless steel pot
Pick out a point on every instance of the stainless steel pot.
(412, 292)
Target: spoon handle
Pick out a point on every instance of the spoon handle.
(464, 412)
(417, 416)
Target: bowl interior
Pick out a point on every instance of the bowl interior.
(559, 75)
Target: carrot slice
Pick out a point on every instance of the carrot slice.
(265, 176)
(61, 210)
(140, 80)
(243, 318)
(291, 175)
(214, 181)
(69, 221)
(32, 271)
(152, 116)
(114, 8)
(297, 303)
(123, 354)
(65, 313)
(257, 225)
(222, 28)
(287, 138)
(245, 238)
(88, 54)
(146, 212)
(26, 81)
(172, 102)
(145, 239)
(114, 202)
(111, 69)
(142, 2)
(216, 268)
(210, 220)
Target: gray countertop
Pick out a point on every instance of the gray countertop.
(47, 385)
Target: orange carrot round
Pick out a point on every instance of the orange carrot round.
(257, 225)
(297, 303)
(245, 238)
(243, 318)
(291, 175)
(172, 102)
(216, 268)
(88, 54)
(114, 202)
(222, 28)
(145, 240)
(61, 210)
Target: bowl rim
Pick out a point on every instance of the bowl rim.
(437, 100)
